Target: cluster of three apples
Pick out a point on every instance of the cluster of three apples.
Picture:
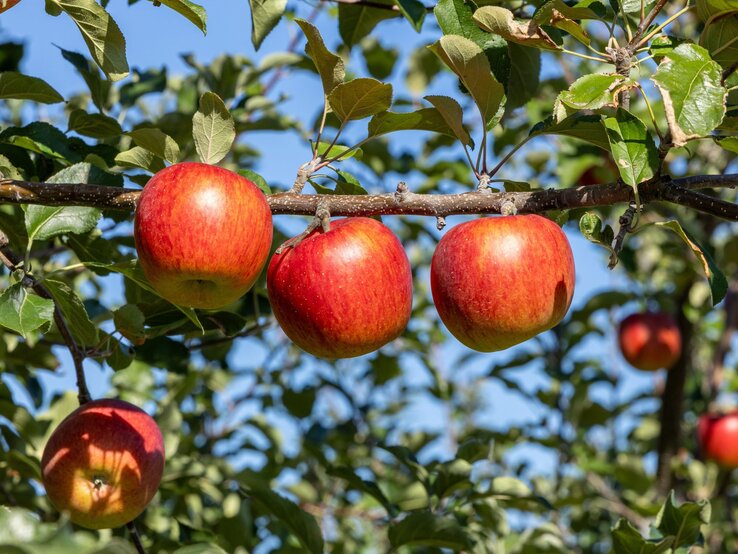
(203, 235)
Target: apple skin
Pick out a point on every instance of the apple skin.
(202, 233)
(103, 463)
(498, 281)
(650, 341)
(5, 5)
(343, 293)
(717, 435)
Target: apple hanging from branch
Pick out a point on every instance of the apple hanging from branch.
(202, 234)
(650, 341)
(344, 292)
(103, 463)
(717, 435)
(498, 281)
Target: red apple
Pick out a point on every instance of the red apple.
(717, 436)
(203, 234)
(342, 293)
(7, 4)
(498, 281)
(650, 341)
(103, 464)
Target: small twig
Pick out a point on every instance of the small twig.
(626, 225)
(14, 263)
(135, 537)
(633, 43)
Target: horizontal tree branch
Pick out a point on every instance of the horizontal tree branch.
(678, 191)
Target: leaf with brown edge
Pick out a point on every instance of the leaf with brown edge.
(501, 21)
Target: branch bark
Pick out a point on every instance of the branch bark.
(671, 414)
(678, 191)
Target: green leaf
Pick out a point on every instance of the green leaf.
(594, 230)
(455, 17)
(632, 147)
(22, 87)
(102, 35)
(337, 151)
(213, 129)
(360, 98)
(369, 487)
(44, 222)
(414, 12)
(592, 92)
(501, 21)
(718, 283)
(356, 21)
(468, 61)
(265, 14)
(331, 67)
(588, 128)
(99, 87)
(627, 540)
(257, 179)
(95, 125)
(694, 98)
(129, 321)
(728, 143)
(301, 524)
(525, 70)
(423, 528)
(452, 113)
(708, 8)
(684, 522)
(193, 12)
(425, 119)
(23, 312)
(74, 312)
(156, 142)
(719, 38)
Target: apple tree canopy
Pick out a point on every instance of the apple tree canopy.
(615, 119)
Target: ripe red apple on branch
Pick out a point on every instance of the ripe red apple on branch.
(717, 435)
(650, 341)
(103, 463)
(342, 293)
(5, 5)
(202, 233)
(498, 281)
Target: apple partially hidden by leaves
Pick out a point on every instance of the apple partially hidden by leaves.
(202, 233)
(717, 435)
(342, 293)
(606, 172)
(103, 463)
(650, 340)
(498, 281)
(5, 5)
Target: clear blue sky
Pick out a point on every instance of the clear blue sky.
(157, 37)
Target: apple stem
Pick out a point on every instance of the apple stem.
(626, 225)
(135, 537)
(440, 222)
(322, 219)
(14, 263)
(508, 208)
